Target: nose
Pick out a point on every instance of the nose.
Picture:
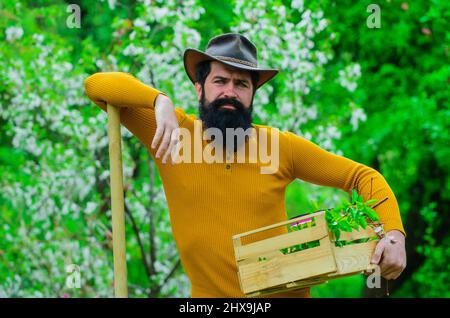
(229, 91)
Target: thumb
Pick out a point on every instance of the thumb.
(378, 252)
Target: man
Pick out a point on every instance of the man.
(211, 202)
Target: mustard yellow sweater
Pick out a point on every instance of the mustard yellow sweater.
(209, 203)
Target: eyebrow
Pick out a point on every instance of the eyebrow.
(225, 78)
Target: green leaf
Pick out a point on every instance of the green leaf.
(371, 214)
(339, 208)
(337, 234)
(328, 217)
(354, 225)
(345, 226)
(335, 214)
(345, 203)
(370, 202)
(354, 196)
(353, 212)
(363, 223)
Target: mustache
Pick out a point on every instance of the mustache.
(216, 104)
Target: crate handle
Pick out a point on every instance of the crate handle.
(307, 216)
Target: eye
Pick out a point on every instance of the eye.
(243, 84)
(219, 81)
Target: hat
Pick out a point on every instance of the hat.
(230, 49)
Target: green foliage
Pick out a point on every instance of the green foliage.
(403, 88)
(350, 215)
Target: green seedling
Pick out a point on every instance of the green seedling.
(351, 215)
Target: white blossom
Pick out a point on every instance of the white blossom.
(297, 4)
(349, 76)
(358, 115)
(13, 33)
(132, 50)
(39, 38)
(141, 24)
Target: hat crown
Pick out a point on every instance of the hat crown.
(235, 46)
(231, 49)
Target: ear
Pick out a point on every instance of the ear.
(198, 90)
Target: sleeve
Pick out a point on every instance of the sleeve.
(135, 100)
(316, 165)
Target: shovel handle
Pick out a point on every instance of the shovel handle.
(117, 203)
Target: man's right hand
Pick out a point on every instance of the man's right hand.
(166, 128)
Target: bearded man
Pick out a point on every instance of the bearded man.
(210, 202)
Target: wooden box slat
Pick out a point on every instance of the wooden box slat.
(288, 268)
(353, 258)
(356, 235)
(273, 226)
(282, 241)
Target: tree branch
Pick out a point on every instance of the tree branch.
(155, 292)
(138, 237)
(175, 267)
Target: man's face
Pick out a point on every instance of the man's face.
(224, 82)
(226, 99)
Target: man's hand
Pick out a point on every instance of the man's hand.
(390, 255)
(166, 127)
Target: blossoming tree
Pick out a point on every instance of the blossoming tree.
(54, 165)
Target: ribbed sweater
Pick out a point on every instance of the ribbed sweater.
(210, 202)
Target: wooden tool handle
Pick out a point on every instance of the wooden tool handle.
(117, 203)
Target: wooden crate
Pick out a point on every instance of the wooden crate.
(274, 265)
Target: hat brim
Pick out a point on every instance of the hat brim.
(192, 57)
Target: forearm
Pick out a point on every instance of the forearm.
(372, 185)
(120, 90)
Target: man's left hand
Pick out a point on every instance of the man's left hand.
(390, 255)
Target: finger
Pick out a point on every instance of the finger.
(158, 135)
(174, 139)
(378, 252)
(393, 271)
(387, 271)
(164, 143)
(390, 275)
(169, 149)
(393, 275)
(370, 269)
(176, 152)
(167, 153)
(177, 144)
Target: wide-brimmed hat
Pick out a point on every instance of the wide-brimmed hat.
(230, 49)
